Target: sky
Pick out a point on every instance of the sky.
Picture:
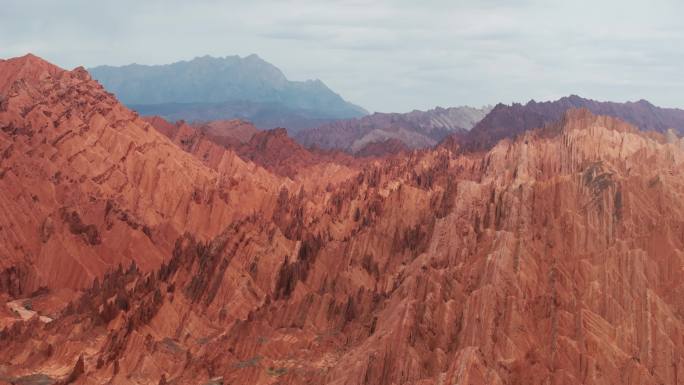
(385, 55)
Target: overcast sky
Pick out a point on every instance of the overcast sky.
(383, 55)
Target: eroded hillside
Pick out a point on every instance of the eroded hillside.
(552, 258)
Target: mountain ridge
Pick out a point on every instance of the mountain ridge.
(87, 173)
(507, 121)
(208, 81)
(416, 129)
(550, 257)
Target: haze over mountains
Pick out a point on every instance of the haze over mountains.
(416, 129)
(138, 250)
(208, 88)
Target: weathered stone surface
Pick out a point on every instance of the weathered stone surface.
(87, 185)
(554, 258)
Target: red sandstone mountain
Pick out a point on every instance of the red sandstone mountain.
(553, 258)
(273, 149)
(277, 152)
(384, 148)
(228, 133)
(29, 68)
(85, 184)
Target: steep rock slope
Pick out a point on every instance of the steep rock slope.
(277, 152)
(223, 132)
(273, 149)
(29, 67)
(208, 88)
(553, 258)
(416, 129)
(85, 184)
(384, 148)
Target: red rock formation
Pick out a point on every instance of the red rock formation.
(384, 148)
(85, 184)
(79, 369)
(228, 133)
(551, 258)
(273, 149)
(162, 125)
(235, 129)
(28, 68)
(277, 152)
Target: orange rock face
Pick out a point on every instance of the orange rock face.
(228, 133)
(273, 149)
(551, 259)
(85, 184)
(384, 148)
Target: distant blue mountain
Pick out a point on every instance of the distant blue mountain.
(209, 88)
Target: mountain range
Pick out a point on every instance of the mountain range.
(475, 129)
(138, 250)
(416, 129)
(209, 88)
(507, 121)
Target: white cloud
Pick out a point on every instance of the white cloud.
(389, 55)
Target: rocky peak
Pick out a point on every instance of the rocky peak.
(29, 68)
